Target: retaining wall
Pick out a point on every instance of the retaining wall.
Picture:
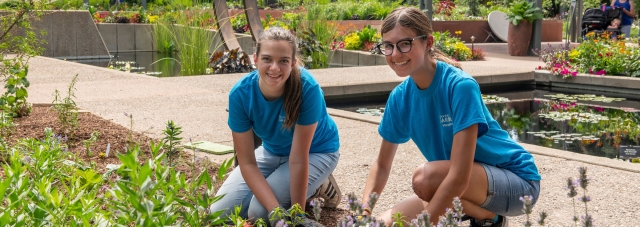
(140, 37)
(70, 34)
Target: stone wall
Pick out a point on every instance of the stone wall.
(140, 37)
(69, 34)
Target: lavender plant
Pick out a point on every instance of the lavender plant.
(527, 205)
(571, 186)
(451, 217)
(316, 203)
(587, 219)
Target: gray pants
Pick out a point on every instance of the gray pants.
(276, 170)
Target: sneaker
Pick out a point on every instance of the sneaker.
(502, 222)
(329, 192)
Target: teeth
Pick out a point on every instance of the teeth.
(401, 63)
(272, 76)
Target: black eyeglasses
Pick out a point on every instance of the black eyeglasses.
(403, 46)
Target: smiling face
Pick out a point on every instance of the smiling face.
(274, 62)
(413, 61)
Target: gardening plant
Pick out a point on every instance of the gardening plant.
(15, 52)
(171, 141)
(67, 109)
(7, 127)
(89, 142)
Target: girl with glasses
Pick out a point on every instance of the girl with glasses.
(440, 108)
(283, 104)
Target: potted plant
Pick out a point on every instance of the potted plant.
(521, 15)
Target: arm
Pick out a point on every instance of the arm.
(243, 144)
(632, 11)
(457, 180)
(379, 172)
(299, 163)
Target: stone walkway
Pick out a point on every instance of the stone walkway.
(197, 103)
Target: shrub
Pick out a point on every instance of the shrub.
(352, 42)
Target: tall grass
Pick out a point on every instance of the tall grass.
(165, 40)
(188, 39)
(325, 30)
(193, 49)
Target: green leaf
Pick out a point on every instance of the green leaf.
(21, 93)
(25, 82)
(11, 100)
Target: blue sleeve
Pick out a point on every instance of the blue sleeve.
(311, 108)
(238, 118)
(391, 127)
(467, 107)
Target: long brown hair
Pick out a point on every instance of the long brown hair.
(415, 20)
(293, 86)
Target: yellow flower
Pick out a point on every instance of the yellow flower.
(458, 32)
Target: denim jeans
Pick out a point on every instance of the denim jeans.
(276, 170)
(505, 189)
(626, 30)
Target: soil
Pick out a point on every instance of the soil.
(118, 138)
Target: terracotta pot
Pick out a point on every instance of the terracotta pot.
(519, 37)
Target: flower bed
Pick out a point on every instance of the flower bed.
(598, 54)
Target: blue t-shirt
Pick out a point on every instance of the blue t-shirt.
(626, 19)
(249, 109)
(452, 102)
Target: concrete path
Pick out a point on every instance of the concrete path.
(197, 103)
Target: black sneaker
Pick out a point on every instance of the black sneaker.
(502, 222)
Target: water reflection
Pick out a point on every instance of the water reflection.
(587, 124)
(529, 122)
(145, 62)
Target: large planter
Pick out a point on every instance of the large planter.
(519, 37)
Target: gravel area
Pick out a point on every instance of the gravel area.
(614, 193)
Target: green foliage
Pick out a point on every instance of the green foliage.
(314, 54)
(67, 109)
(398, 219)
(523, 10)
(452, 45)
(164, 38)
(597, 54)
(367, 34)
(518, 121)
(7, 127)
(361, 10)
(317, 34)
(43, 187)
(15, 52)
(89, 142)
(171, 141)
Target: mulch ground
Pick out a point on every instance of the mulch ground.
(118, 138)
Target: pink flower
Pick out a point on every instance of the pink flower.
(574, 73)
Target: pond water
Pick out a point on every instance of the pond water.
(143, 62)
(582, 123)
